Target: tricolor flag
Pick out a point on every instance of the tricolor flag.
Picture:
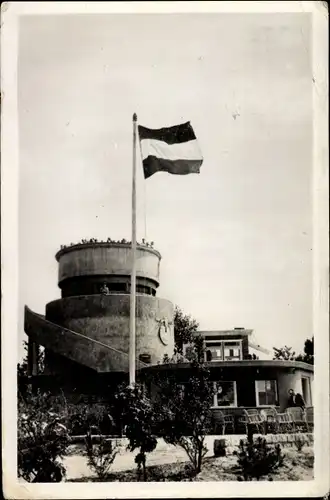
(172, 149)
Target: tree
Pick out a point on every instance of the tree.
(309, 347)
(308, 356)
(184, 329)
(138, 416)
(185, 332)
(41, 440)
(286, 353)
(22, 367)
(184, 412)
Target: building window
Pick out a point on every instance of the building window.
(266, 392)
(214, 351)
(223, 350)
(226, 394)
(117, 287)
(232, 350)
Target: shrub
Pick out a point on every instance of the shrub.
(300, 441)
(256, 459)
(184, 413)
(137, 415)
(100, 455)
(176, 358)
(42, 440)
(81, 417)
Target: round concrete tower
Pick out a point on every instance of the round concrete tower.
(94, 279)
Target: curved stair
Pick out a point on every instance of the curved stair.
(75, 346)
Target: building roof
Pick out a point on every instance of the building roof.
(105, 244)
(225, 333)
(280, 364)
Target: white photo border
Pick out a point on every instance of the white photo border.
(10, 14)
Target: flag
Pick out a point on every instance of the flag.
(171, 149)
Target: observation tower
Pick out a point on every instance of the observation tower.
(89, 324)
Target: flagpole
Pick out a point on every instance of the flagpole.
(133, 272)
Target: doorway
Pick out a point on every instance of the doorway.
(306, 390)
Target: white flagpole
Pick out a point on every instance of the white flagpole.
(133, 273)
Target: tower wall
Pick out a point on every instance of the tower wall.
(106, 259)
(104, 317)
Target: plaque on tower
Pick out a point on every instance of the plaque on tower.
(164, 331)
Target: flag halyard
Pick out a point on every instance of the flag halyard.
(171, 149)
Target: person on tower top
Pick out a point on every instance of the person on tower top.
(104, 289)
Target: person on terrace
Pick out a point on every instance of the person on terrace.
(295, 400)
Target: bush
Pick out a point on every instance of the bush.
(137, 415)
(42, 440)
(100, 455)
(81, 417)
(256, 459)
(300, 441)
(184, 413)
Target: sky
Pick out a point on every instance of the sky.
(235, 240)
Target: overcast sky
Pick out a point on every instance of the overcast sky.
(236, 240)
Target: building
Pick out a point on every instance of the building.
(246, 380)
(242, 380)
(85, 334)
